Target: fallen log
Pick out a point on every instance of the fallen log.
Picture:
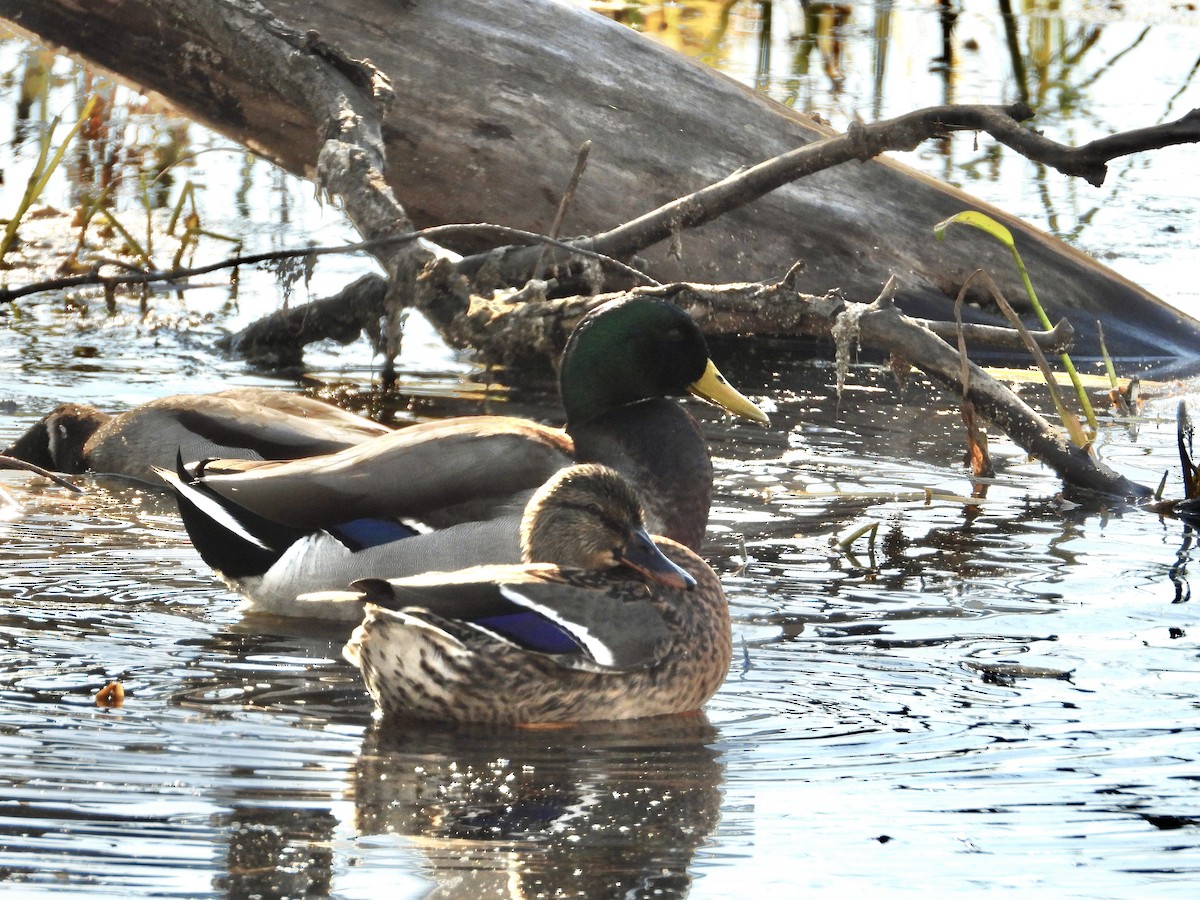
(481, 105)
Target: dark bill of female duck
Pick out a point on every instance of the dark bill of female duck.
(642, 555)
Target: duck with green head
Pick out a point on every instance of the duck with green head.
(600, 622)
(449, 494)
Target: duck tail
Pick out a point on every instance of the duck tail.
(231, 539)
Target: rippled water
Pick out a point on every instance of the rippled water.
(998, 698)
(881, 725)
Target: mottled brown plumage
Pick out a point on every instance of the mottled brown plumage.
(427, 650)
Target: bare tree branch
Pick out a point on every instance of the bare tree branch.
(505, 333)
(434, 233)
(860, 143)
(1090, 160)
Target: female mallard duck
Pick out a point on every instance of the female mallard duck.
(276, 530)
(608, 623)
(241, 423)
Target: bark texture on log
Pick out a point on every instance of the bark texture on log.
(494, 97)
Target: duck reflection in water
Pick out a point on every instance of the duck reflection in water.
(613, 809)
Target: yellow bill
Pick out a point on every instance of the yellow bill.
(713, 387)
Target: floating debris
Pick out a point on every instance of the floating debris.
(1007, 673)
(111, 695)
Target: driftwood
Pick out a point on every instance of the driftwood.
(278, 341)
(473, 110)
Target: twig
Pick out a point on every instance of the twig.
(1088, 162)
(986, 223)
(860, 143)
(1069, 419)
(1057, 339)
(977, 447)
(9, 462)
(94, 277)
(565, 203)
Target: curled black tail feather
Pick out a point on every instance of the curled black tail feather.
(233, 540)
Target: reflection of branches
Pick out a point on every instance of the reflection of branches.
(1108, 66)
(1178, 571)
(1087, 41)
(1014, 50)
(1183, 87)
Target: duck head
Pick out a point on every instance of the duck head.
(637, 349)
(589, 517)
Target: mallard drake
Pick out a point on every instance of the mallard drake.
(242, 423)
(620, 366)
(445, 495)
(601, 622)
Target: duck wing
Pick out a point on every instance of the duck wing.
(582, 620)
(272, 564)
(438, 472)
(241, 424)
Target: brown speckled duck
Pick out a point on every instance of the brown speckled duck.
(600, 622)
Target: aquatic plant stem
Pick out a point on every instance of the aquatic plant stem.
(990, 226)
(1113, 381)
(41, 174)
(1064, 356)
